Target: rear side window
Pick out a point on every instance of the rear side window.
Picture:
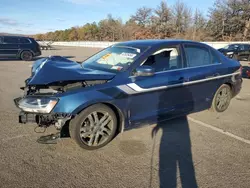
(1, 39)
(11, 40)
(24, 41)
(246, 47)
(215, 58)
(197, 56)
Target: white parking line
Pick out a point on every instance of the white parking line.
(219, 130)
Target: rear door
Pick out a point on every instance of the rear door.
(10, 46)
(202, 68)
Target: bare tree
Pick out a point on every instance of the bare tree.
(182, 17)
(142, 16)
(199, 25)
(162, 20)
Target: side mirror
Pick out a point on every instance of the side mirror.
(145, 71)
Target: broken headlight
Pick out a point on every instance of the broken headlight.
(37, 105)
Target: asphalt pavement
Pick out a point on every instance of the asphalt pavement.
(205, 149)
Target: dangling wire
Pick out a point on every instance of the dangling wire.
(44, 129)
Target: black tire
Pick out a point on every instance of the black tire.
(26, 56)
(102, 131)
(222, 98)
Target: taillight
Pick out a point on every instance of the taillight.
(248, 73)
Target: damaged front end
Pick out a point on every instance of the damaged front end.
(36, 107)
(38, 102)
(50, 78)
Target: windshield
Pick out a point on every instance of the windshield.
(114, 59)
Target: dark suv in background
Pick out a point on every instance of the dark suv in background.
(24, 48)
(237, 51)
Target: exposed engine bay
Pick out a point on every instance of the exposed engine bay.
(56, 119)
(59, 87)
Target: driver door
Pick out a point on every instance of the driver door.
(157, 97)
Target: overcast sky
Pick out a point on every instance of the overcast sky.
(40, 16)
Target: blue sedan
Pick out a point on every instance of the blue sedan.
(127, 85)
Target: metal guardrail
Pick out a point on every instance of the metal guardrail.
(102, 44)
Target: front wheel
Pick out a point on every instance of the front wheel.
(222, 98)
(94, 127)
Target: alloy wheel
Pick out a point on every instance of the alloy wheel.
(223, 99)
(96, 128)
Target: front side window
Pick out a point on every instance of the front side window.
(1, 40)
(197, 56)
(164, 59)
(11, 40)
(114, 59)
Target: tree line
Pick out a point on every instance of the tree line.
(226, 20)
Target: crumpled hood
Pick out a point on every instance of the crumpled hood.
(59, 69)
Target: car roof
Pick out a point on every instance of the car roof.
(14, 36)
(239, 44)
(154, 42)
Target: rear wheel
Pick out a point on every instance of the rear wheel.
(94, 127)
(222, 98)
(26, 56)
